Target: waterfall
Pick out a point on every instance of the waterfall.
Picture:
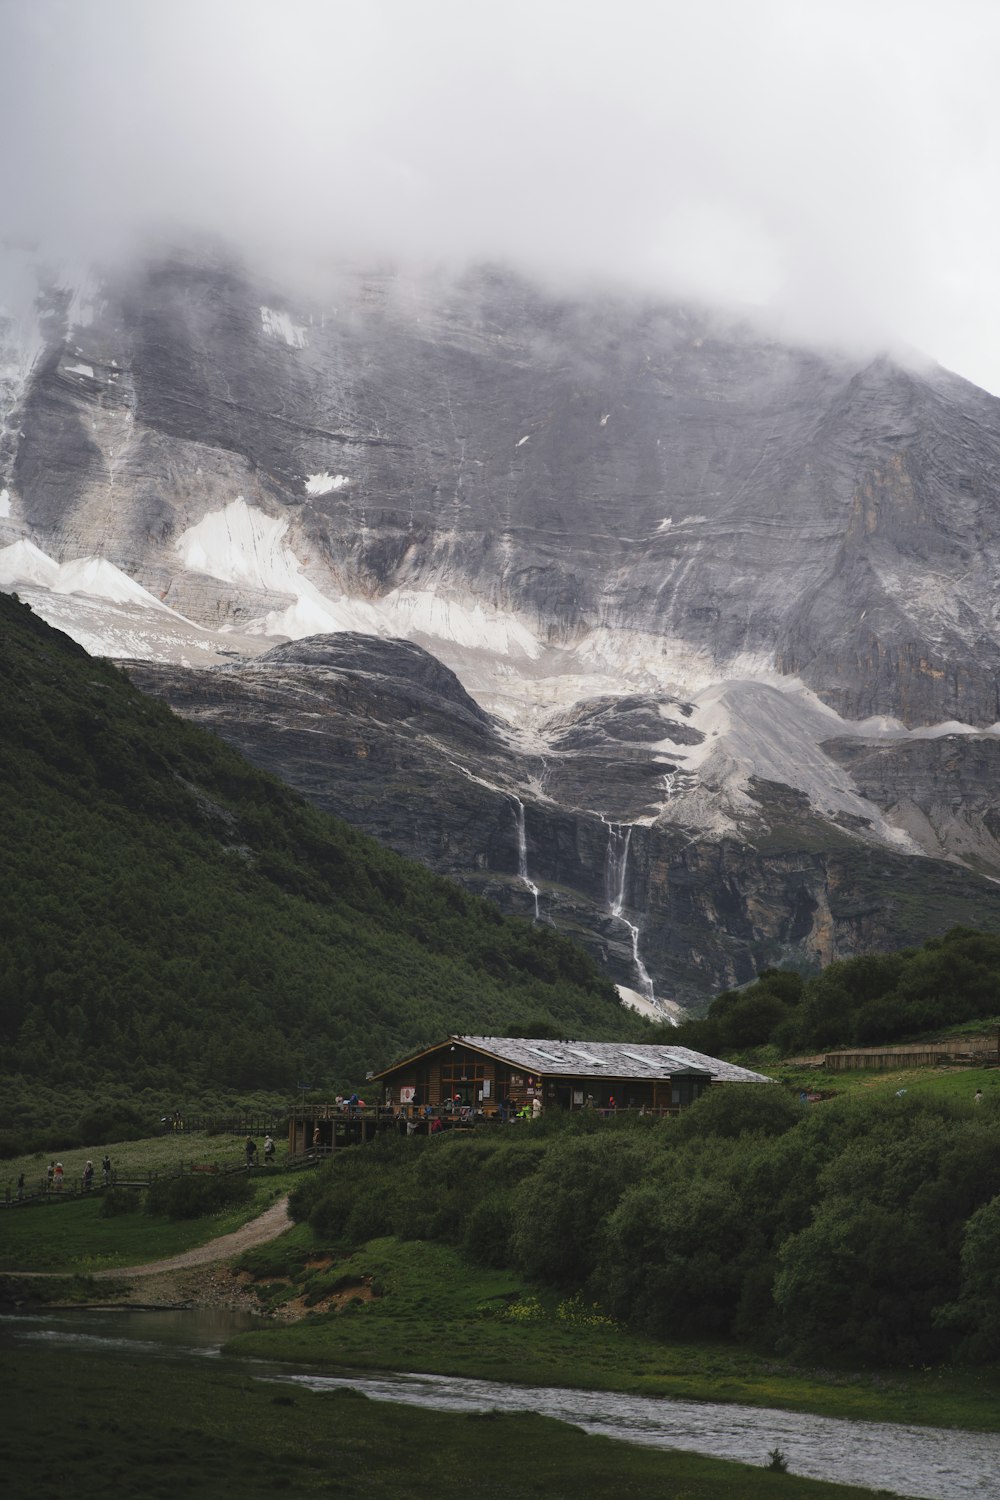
(522, 851)
(616, 866)
(615, 876)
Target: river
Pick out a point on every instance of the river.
(926, 1462)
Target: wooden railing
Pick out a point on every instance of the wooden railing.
(42, 1190)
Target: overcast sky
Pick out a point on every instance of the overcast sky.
(833, 163)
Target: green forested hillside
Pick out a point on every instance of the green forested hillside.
(865, 1001)
(172, 918)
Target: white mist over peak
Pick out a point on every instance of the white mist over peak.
(721, 164)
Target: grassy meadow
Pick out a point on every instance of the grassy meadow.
(68, 1235)
(958, 1084)
(89, 1426)
(131, 1159)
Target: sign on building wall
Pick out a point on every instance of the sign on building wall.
(406, 1094)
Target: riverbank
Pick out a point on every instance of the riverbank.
(411, 1305)
(91, 1424)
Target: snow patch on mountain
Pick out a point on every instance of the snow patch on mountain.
(23, 562)
(240, 544)
(313, 613)
(128, 630)
(86, 300)
(323, 484)
(647, 661)
(464, 620)
(756, 731)
(278, 325)
(243, 546)
(4, 505)
(21, 337)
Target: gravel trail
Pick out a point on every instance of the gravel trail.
(267, 1226)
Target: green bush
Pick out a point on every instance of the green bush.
(119, 1200)
(488, 1229)
(193, 1195)
(865, 1228)
(114, 1121)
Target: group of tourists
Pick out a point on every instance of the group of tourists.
(251, 1151)
(424, 1119)
(55, 1177)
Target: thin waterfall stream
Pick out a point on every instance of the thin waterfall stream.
(522, 850)
(615, 878)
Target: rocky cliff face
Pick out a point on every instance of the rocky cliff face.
(704, 594)
(573, 830)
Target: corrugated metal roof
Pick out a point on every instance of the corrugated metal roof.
(607, 1059)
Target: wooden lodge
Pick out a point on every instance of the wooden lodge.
(467, 1079)
(502, 1075)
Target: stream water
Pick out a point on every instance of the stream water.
(926, 1462)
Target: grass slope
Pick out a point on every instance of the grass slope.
(173, 918)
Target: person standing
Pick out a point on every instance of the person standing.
(88, 1177)
(57, 1177)
(268, 1150)
(50, 1173)
(251, 1150)
(106, 1169)
(978, 1097)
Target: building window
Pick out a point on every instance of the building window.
(462, 1079)
(463, 1073)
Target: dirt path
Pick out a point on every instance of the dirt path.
(267, 1226)
(196, 1278)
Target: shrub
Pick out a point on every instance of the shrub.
(739, 1109)
(117, 1201)
(113, 1121)
(192, 1197)
(487, 1231)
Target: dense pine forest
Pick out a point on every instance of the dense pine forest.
(174, 920)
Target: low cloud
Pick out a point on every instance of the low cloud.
(829, 163)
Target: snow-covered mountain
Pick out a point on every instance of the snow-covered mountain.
(721, 613)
